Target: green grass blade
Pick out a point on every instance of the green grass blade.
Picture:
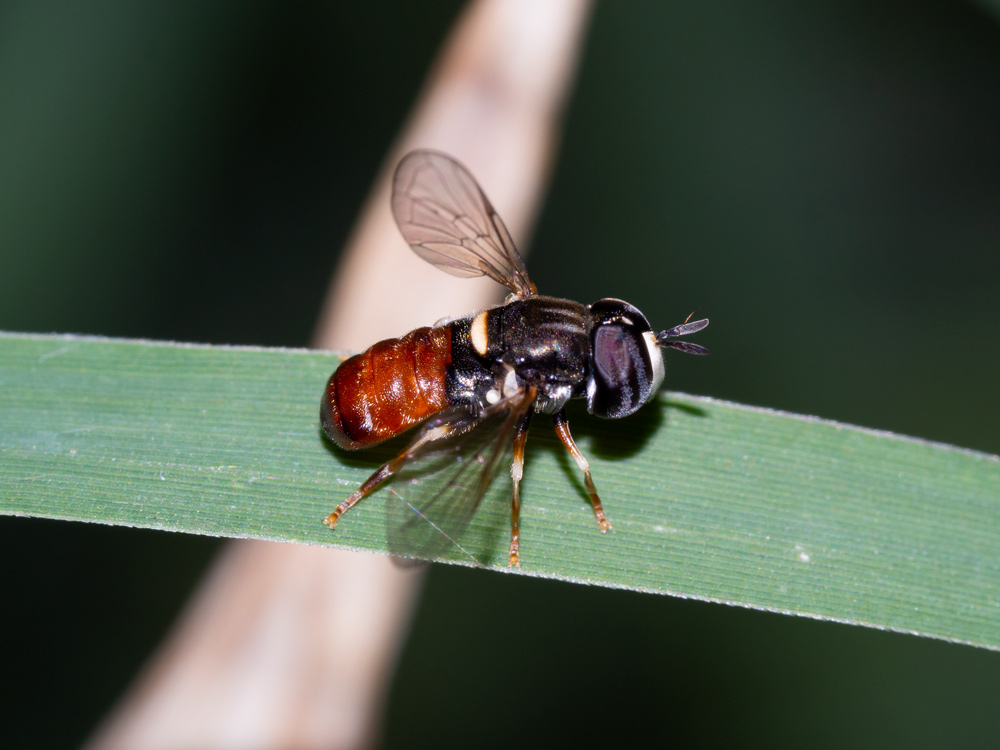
(709, 500)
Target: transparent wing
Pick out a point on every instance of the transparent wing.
(448, 221)
(455, 458)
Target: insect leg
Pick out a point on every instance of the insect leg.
(516, 472)
(371, 484)
(562, 430)
(436, 429)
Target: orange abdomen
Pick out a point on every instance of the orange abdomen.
(387, 389)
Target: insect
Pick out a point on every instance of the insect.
(475, 382)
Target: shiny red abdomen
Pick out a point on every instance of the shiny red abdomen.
(387, 389)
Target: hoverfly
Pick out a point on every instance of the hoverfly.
(475, 382)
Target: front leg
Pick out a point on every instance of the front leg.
(562, 430)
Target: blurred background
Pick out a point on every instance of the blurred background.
(822, 180)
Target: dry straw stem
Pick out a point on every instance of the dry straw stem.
(287, 645)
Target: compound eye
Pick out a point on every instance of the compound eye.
(620, 373)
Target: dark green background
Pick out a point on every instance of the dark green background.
(821, 179)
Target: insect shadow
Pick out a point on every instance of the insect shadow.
(612, 439)
(490, 520)
(374, 456)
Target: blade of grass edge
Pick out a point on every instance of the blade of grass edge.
(710, 500)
